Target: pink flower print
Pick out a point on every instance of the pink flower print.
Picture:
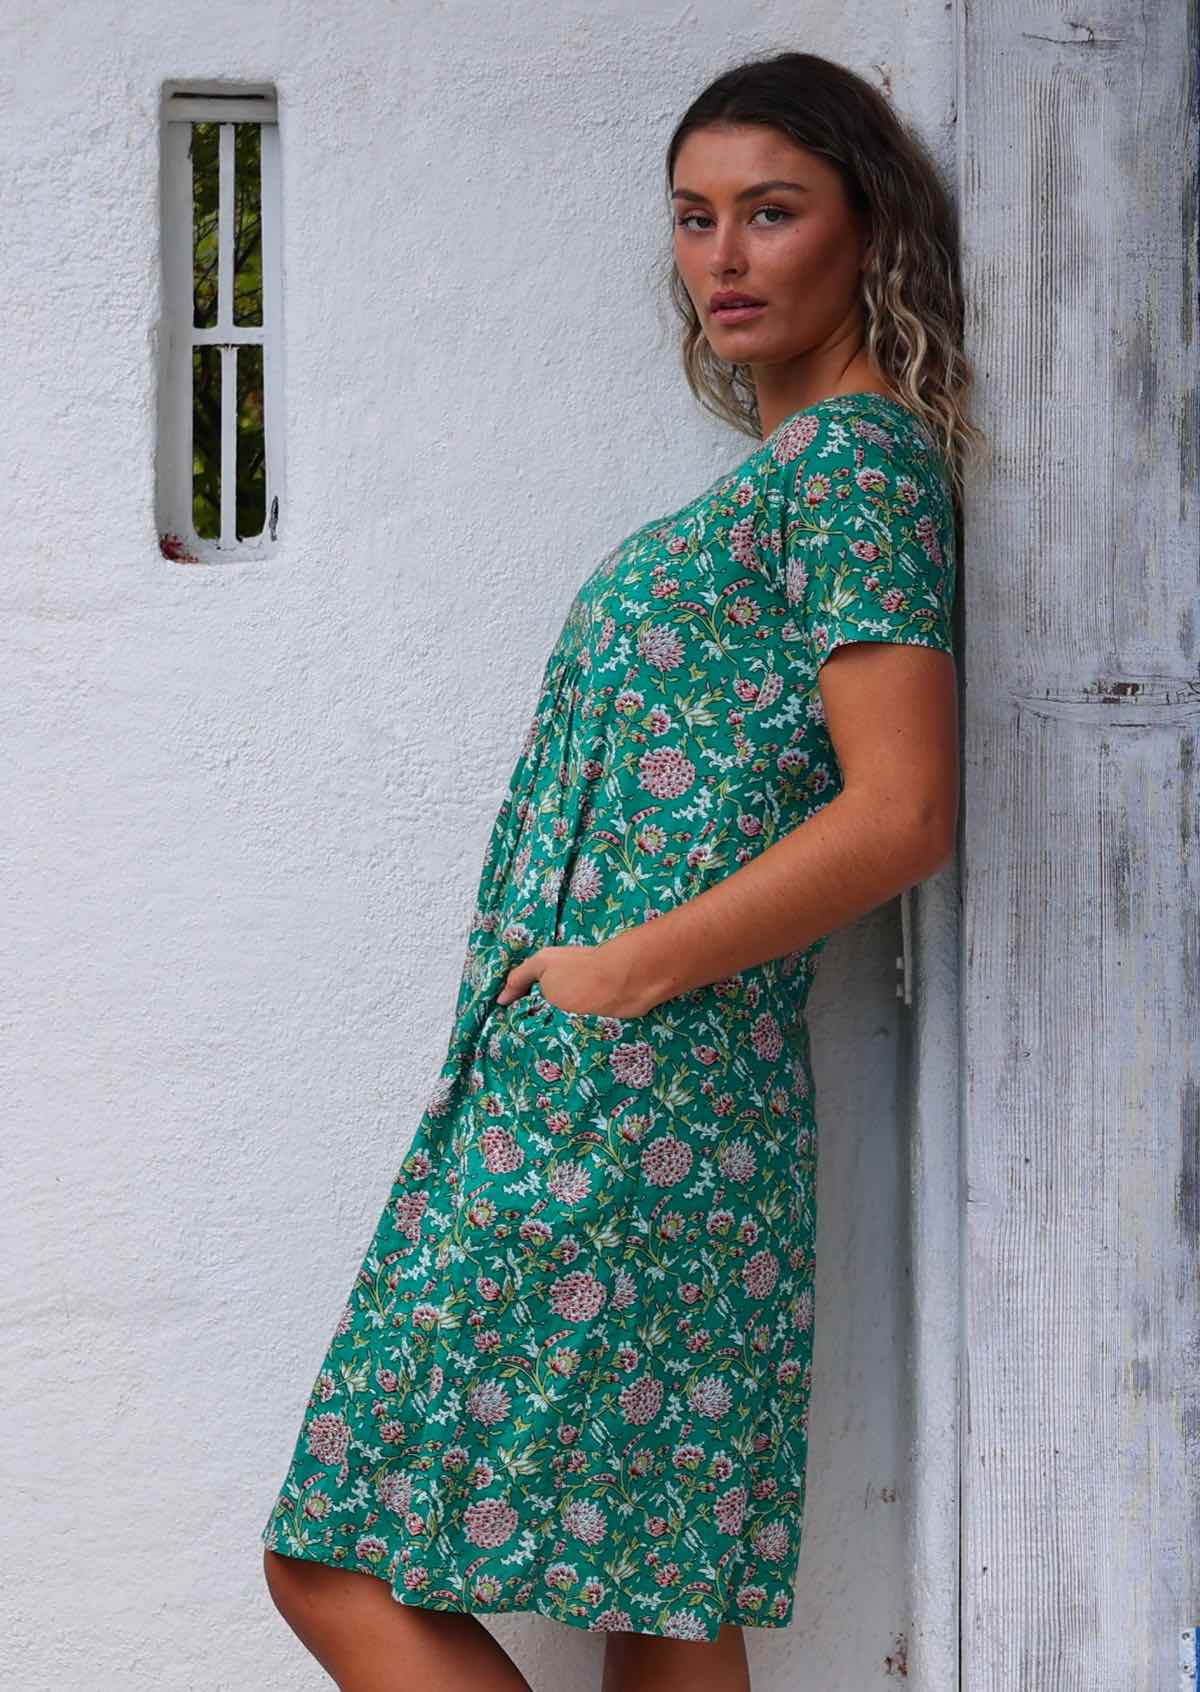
(788, 1372)
(730, 1509)
(928, 536)
(370, 1548)
(570, 1182)
(561, 1576)
(624, 1290)
(656, 1526)
(742, 543)
(794, 438)
(865, 549)
(691, 1292)
(817, 488)
(737, 1161)
(650, 839)
(439, 1099)
(489, 1523)
(743, 613)
(751, 1597)
(328, 1437)
(792, 759)
(627, 1357)
(641, 1400)
(501, 1153)
(409, 1209)
(710, 1396)
(488, 1402)
(720, 1222)
(666, 1160)
(419, 1163)
(871, 479)
(548, 1070)
(612, 1621)
(771, 1541)
(394, 1491)
(721, 1466)
(664, 772)
(632, 1063)
(585, 1521)
(482, 1474)
(760, 1273)
(660, 646)
(486, 1592)
(592, 1590)
(688, 1456)
(768, 693)
(658, 720)
(795, 581)
(577, 1297)
(766, 1036)
(685, 1624)
(325, 1386)
(749, 825)
(488, 1288)
(802, 1311)
(586, 881)
(534, 1232)
(893, 599)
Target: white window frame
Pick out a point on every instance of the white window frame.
(185, 104)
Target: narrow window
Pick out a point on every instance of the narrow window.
(220, 382)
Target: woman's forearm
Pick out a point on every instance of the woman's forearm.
(831, 869)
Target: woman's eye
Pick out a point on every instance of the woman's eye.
(687, 221)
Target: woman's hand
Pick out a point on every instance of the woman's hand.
(574, 978)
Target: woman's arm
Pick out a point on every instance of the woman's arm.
(892, 714)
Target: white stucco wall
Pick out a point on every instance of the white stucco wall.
(247, 806)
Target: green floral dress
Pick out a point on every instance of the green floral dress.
(573, 1372)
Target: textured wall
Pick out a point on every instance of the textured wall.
(247, 804)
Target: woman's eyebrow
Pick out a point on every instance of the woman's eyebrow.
(745, 194)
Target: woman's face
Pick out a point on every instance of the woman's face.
(756, 214)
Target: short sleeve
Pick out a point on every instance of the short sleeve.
(869, 538)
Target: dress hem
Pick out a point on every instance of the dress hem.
(530, 1607)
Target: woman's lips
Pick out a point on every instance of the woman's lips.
(737, 314)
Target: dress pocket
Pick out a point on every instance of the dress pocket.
(611, 1027)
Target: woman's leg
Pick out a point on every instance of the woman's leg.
(638, 1662)
(369, 1642)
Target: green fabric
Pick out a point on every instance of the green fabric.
(573, 1373)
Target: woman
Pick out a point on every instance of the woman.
(573, 1373)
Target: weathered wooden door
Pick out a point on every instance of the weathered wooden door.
(1080, 1401)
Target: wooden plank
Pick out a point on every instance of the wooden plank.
(1081, 963)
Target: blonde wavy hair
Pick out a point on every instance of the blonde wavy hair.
(911, 287)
